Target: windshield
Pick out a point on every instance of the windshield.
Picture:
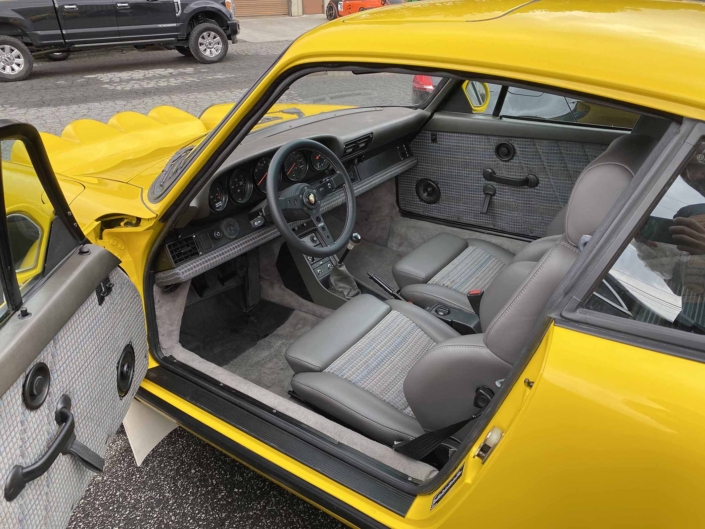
(348, 89)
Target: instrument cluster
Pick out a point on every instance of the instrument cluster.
(249, 180)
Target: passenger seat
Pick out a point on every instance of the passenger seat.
(446, 267)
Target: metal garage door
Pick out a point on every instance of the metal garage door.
(254, 8)
(313, 7)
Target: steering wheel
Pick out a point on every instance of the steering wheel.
(303, 201)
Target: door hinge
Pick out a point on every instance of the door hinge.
(489, 444)
(104, 290)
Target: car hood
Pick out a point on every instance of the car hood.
(133, 145)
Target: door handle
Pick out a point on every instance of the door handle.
(123, 5)
(64, 443)
(70, 7)
(530, 180)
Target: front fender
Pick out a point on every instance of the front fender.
(202, 7)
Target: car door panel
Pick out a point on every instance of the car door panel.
(146, 19)
(453, 150)
(612, 435)
(87, 22)
(81, 340)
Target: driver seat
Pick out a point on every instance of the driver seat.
(393, 371)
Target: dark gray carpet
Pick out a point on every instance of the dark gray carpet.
(218, 330)
(264, 363)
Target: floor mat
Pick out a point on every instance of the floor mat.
(264, 364)
(218, 330)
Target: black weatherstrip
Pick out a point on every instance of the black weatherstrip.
(29, 136)
(332, 467)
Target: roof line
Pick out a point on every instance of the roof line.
(506, 12)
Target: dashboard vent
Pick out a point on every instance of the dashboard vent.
(183, 250)
(354, 147)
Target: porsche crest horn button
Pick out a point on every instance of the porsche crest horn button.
(311, 198)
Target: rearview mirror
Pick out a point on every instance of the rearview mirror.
(478, 95)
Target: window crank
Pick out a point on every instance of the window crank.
(489, 191)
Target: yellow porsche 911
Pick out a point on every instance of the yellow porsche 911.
(476, 301)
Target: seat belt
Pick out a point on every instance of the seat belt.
(424, 444)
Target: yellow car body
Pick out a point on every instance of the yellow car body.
(606, 434)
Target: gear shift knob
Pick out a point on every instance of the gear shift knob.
(354, 240)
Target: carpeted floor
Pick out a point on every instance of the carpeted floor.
(264, 363)
(218, 330)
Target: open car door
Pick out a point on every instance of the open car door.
(73, 343)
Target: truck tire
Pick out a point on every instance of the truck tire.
(183, 50)
(208, 43)
(16, 60)
(331, 11)
(58, 56)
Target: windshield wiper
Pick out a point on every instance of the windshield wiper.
(170, 173)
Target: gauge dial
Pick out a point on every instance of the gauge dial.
(260, 173)
(218, 197)
(295, 166)
(240, 185)
(319, 162)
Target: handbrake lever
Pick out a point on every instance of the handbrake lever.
(384, 286)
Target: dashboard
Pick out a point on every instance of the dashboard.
(229, 216)
(247, 183)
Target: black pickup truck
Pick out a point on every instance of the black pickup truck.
(55, 28)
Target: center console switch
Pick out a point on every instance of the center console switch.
(321, 266)
(461, 321)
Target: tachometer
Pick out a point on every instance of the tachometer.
(240, 185)
(295, 166)
(218, 197)
(319, 162)
(260, 174)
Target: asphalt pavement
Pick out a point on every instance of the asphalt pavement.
(186, 483)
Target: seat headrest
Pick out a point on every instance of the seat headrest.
(601, 183)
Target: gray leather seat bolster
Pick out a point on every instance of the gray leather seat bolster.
(322, 345)
(535, 250)
(427, 295)
(440, 388)
(356, 407)
(557, 225)
(428, 259)
(436, 329)
(508, 332)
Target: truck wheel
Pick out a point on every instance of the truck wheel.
(183, 50)
(331, 11)
(208, 43)
(16, 61)
(58, 56)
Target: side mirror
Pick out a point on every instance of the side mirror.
(478, 95)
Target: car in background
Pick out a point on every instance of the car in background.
(55, 28)
(342, 8)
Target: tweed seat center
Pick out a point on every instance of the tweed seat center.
(380, 361)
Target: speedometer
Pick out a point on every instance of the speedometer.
(295, 166)
(260, 174)
(240, 185)
(218, 197)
